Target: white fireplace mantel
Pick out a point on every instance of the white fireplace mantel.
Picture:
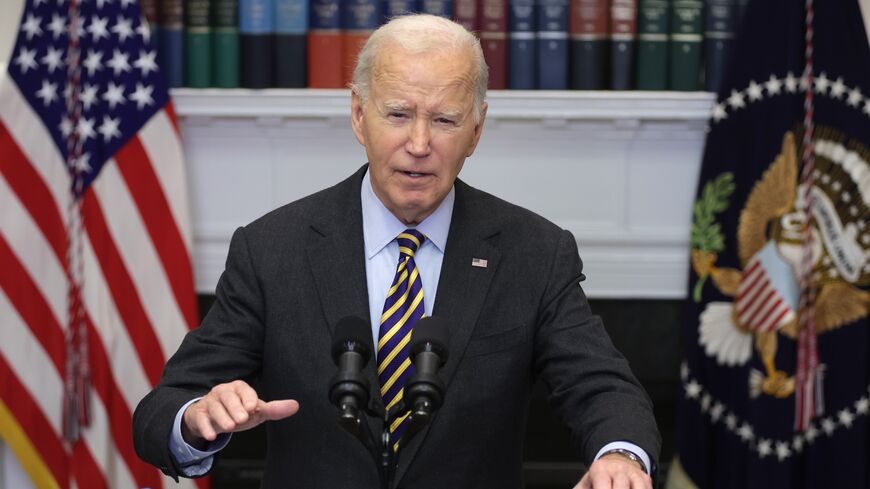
(618, 169)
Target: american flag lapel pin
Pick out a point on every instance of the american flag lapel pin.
(478, 262)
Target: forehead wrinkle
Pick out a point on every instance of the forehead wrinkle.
(395, 84)
(441, 99)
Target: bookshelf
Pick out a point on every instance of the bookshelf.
(618, 169)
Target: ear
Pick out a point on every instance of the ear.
(356, 117)
(478, 130)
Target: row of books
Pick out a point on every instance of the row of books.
(528, 44)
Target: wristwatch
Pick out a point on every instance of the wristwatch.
(629, 455)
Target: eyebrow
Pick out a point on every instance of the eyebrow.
(399, 106)
(450, 115)
(395, 105)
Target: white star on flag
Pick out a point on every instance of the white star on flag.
(146, 62)
(142, 96)
(31, 26)
(123, 28)
(65, 126)
(797, 443)
(48, 92)
(144, 31)
(83, 164)
(736, 100)
(57, 26)
(745, 432)
(846, 418)
(773, 85)
(706, 400)
(119, 62)
(52, 59)
(716, 411)
(89, 95)
(719, 112)
(838, 88)
(693, 389)
(85, 128)
(804, 82)
(828, 426)
(791, 83)
(114, 95)
(821, 83)
(764, 447)
(782, 451)
(754, 91)
(854, 97)
(811, 433)
(98, 28)
(109, 128)
(731, 421)
(26, 60)
(93, 61)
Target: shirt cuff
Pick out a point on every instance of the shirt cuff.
(631, 447)
(193, 462)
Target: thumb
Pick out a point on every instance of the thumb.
(275, 410)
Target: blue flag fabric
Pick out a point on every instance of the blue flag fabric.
(737, 410)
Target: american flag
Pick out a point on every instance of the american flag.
(96, 286)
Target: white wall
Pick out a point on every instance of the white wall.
(10, 15)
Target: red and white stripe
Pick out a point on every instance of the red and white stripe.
(759, 306)
(138, 295)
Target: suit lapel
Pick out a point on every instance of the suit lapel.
(462, 290)
(336, 258)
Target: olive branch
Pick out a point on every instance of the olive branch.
(707, 238)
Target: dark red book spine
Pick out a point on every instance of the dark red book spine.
(493, 39)
(465, 13)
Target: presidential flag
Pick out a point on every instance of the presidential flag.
(776, 375)
(96, 286)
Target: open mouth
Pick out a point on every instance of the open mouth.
(414, 174)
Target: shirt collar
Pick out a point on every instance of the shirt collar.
(380, 226)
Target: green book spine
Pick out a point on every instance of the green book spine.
(197, 43)
(653, 18)
(225, 43)
(686, 45)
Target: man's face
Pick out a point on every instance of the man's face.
(417, 127)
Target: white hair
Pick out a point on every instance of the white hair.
(420, 33)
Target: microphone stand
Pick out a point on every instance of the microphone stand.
(386, 459)
(424, 393)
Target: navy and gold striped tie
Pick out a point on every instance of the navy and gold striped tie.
(403, 308)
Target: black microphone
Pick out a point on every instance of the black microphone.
(424, 391)
(349, 388)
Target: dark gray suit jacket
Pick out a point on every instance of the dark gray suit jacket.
(292, 274)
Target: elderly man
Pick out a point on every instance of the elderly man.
(505, 280)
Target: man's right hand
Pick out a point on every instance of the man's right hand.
(228, 408)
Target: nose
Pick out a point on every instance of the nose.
(418, 138)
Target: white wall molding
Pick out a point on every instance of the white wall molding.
(618, 169)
